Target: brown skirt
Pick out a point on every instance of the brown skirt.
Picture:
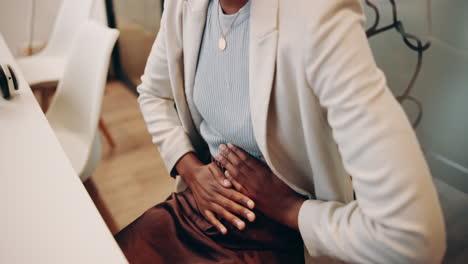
(175, 232)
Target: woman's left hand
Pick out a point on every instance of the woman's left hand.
(254, 179)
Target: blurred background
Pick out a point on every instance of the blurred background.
(131, 177)
(442, 89)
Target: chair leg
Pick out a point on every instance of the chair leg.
(45, 90)
(44, 99)
(107, 134)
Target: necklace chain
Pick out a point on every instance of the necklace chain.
(222, 38)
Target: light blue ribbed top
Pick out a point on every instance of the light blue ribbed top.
(221, 91)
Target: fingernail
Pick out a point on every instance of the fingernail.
(250, 204)
(218, 157)
(230, 145)
(222, 147)
(226, 183)
(251, 217)
(223, 230)
(240, 224)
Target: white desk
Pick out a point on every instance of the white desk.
(46, 215)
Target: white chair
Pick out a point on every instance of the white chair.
(75, 109)
(42, 71)
(47, 66)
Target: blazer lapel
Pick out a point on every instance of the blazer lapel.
(263, 48)
(194, 24)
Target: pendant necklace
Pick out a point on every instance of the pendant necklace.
(222, 39)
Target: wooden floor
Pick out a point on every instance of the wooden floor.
(132, 177)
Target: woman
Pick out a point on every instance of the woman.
(294, 90)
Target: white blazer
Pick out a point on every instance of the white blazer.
(323, 118)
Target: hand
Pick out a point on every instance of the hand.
(254, 179)
(214, 199)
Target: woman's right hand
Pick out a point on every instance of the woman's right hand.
(208, 185)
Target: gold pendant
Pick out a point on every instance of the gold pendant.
(222, 43)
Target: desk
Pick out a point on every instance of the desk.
(46, 215)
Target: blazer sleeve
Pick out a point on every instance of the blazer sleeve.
(157, 105)
(396, 217)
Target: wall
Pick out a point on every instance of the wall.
(15, 21)
(145, 13)
(443, 90)
(443, 84)
(138, 23)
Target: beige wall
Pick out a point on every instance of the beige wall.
(15, 21)
(143, 12)
(138, 22)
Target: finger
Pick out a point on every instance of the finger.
(230, 156)
(220, 176)
(236, 172)
(238, 157)
(239, 198)
(225, 214)
(214, 221)
(236, 208)
(233, 195)
(239, 187)
(233, 173)
(222, 160)
(226, 183)
(227, 165)
(241, 154)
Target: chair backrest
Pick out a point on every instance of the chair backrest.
(77, 103)
(71, 15)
